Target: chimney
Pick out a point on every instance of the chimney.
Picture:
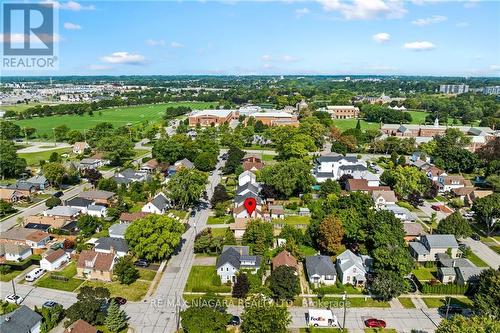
(454, 263)
(111, 249)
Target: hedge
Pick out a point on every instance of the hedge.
(454, 289)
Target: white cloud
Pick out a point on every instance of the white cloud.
(365, 9)
(289, 58)
(70, 5)
(267, 57)
(471, 3)
(99, 67)
(430, 20)
(124, 58)
(153, 42)
(176, 45)
(72, 26)
(419, 46)
(381, 37)
(301, 12)
(462, 24)
(286, 58)
(18, 38)
(495, 67)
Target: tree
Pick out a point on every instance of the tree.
(388, 285)
(116, 148)
(220, 195)
(54, 172)
(474, 324)
(6, 208)
(186, 186)
(50, 317)
(488, 211)
(87, 225)
(116, 319)
(205, 161)
(234, 156)
(405, 180)
(261, 316)
(259, 235)
(89, 305)
(329, 187)
(125, 270)
(92, 175)
(353, 223)
(241, 287)
(284, 283)
(456, 225)
(487, 295)
(107, 184)
(9, 130)
(60, 132)
(54, 157)
(154, 237)
(288, 177)
(330, 235)
(52, 202)
(10, 164)
(200, 319)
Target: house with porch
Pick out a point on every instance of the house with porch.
(233, 259)
(321, 270)
(352, 268)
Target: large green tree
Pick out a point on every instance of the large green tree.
(488, 211)
(10, 164)
(288, 177)
(330, 235)
(154, 237)
(116, 148)
(116, 319)
(259, 236)
(405, 180)
(388, 285)
(474, 324)
(284, 283)
(456, 225)
(262, 316)
(487, 295)
(186, 186)
(54, 172)
(89, 306)
(125, 270)
(200, 319)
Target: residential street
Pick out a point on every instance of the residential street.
(484, 252)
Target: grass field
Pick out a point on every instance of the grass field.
(202, 278)
(218, 232)
(69, 271)
(353, 302)
(406, 302)
(218, 220)
(132, 292)
(9, 276)
(146, 274)
(345, 124)
(34, 158)
(418, 117)
(21, 107)
(437, 302)
(425, 274)
(476, 260)
(117, 116)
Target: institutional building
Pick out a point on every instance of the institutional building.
(212, 117)
(276, 118)
(342, 111)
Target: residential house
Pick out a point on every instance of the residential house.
(97, 211)
(128, 176)
(159, 205)
(67, 212)
(246, 177)
(40, 182)
(10, 195)
(131, 217)
(383, 198)
(240, 211)
(233, 259)
(433, 172)
(117, 246)
(21, 320)
(412, 230)
(81, 326)
(184, 163)
(14, 252)
(95, 265)
(91, 163)
(276, 211)
(79, 203)
(320, 270)
(34, 238)
(118, 230)
(249, 187)
(25, 188)
(54, 260)
(238, 227)
(53, 221)
(468, 275)
(429, 246)
(352, 268)
(328, 166)
(446, 274)
(474, 195)
(448, 183)
(252, 163)
(362, 185)
(401, 213)
(79, 147)
(37, 226)
(150, 166)
(285, 258)
(304, 211)
(98, 196)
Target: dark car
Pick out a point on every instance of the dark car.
(58, 194)
(49, 304)
(475, 237)
(373, 322)
(141, 263)
(436, 208)
(450, 309)
(193, 213)
(120, 300)
(235, 321)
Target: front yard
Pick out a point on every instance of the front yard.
(132, 292)
(436, 302)
(475, 259)
(406, 302)
(219, 220)
(205, 279)
(9, 276)
(61, 280)
(353, 302)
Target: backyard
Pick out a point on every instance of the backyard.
(205, 279)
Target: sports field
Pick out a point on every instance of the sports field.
(117, 116)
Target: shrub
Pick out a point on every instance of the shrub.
(453, 289)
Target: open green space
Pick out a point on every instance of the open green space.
(117, 116)
(146, 274)
(179, 213)
(425, 274)
(345, 124)
(353, 302)
(406, 302)
(475, 259)
(437, 302)
(34, 158)
(339, 288)
(205, 279)
(294, 220)
(217, 232)
(131, 292)
(307, 250)
(418, 117)
(219, 220)
(68, 272)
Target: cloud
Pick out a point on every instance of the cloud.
(462, 24)
(153, 42)
(124, 58)
(429, 20)
(18, 38)
(286, 58)
(72, 26)
(99, 67)
(419, 46)
(495, 67)
(289, 58)
(70, 5)
(176, 45)
(365, 9)
(267, 57)
(301, 12)
(381, 37)
(471, 3)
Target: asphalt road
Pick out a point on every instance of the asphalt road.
(483, 251)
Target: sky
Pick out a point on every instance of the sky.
(334, 37)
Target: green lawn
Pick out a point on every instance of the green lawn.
(117, 116)
(203, 279)
(69, 271)
(345, 124)
(219, 220)
(9, 276)
(147, 274)
(495, 248)
(268, 158)
(437, 302)
(418, 117)
(132, 292)
(476, 260)
(406, 302)
(216, 232)
(425, 274)
(353, 302)
(179, 213)
(307, 250)
(294, 220)
(34, 158)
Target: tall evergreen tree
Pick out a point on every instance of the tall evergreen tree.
(116, 318)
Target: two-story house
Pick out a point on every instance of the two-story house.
(352, 268)
(429, 246)
(233, 259)
(159, 205)
(321, 270)
(95, 265)
(382, 199)
(328, 166)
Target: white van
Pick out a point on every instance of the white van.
(322, 318)
(34, 274)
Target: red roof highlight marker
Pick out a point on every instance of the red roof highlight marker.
(250, 205)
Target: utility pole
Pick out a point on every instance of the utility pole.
(447, 306)
(344, 298)
(54, 134)
(177, 314)
(13, 287)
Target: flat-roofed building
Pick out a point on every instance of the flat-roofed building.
(343, 111)
(276, 118)
(212, 117)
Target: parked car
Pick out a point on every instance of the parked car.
(58, 194)
(141, 263)
(14, 299)
(475, 237)
(373, 322)
(49, 304)
(235, 321)
(451, 309)
(193, 213)
(120, 300)
(34, 274)
(437, 208)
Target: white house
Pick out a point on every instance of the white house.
(383, 198)
(233, 259)
(352, 268)
(14, 252)
(328, 166)
(63, 211)
(246, 177)
(447, 183)
(158, 205)
(97, 211)
(321, 270)
(54, 260)
(79, 147)
(401, 213)
(429, 246)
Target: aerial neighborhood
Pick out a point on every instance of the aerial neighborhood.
(343, 209)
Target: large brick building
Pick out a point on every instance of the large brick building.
(276, 118)
(343, 111)
(209, 117)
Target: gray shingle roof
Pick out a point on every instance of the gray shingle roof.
(160, 201)
(250, 186)
(348, 259)
(230, 256)
(419, 248)
(78, 202)
(470, 274)
(241, 198)
(354, 167)
(20, 320)
(440, 241)
(105, 243)
(118, 228)
(336, 158)
(320, 265)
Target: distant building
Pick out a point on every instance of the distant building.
(453, 88)
(276, 118)
(342, 111)
(79, 147)
(212, 117)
